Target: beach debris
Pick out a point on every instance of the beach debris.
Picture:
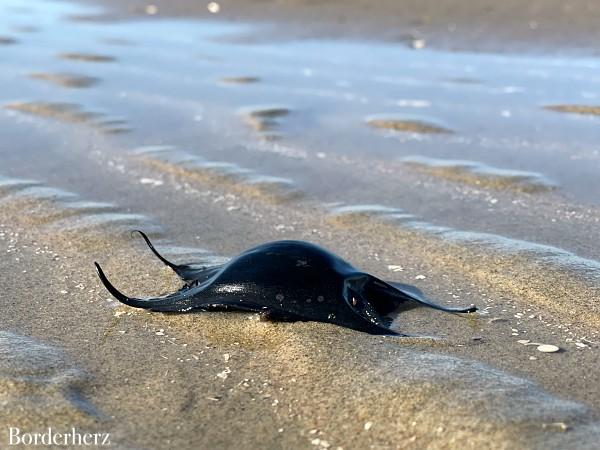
(548, 348)
(226, 357)
(224, 374)
(368, 426)
(559, 426)
(151, 181)
(151, 9)
(420, 277)
(418, 44)
(395, 268)
(160, 332)
(320, 442)
(213, 7)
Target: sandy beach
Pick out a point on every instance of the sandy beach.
(451, 148)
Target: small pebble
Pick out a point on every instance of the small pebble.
(547, 348)
(213, 7)
(368, 425)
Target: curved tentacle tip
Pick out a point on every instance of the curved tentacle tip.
(140, 232)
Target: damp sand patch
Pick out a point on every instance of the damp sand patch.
(479, 174)
(407, 124)
(70, 113)
(69, 80)
(87, 57)
(587, 110)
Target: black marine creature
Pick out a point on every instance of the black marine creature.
(287, 281)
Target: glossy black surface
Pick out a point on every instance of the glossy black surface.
(285, 280)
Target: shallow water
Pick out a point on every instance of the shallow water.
(501, 120)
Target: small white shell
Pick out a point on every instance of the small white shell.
(547, 348)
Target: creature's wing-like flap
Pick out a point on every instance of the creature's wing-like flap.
(400, 290)
(412, 291)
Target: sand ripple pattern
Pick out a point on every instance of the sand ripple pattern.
(65, 211)
(588, 110)
(231, 175)
(69, 80)
(479, 174)
(560, 280)
(87, 57)
(71, 113)
(406, 124)
(38, 384)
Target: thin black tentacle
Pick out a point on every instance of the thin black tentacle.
(192, 274)
(173, 266)
(179, 301)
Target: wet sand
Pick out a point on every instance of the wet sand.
(486, 25)
(213, 145)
